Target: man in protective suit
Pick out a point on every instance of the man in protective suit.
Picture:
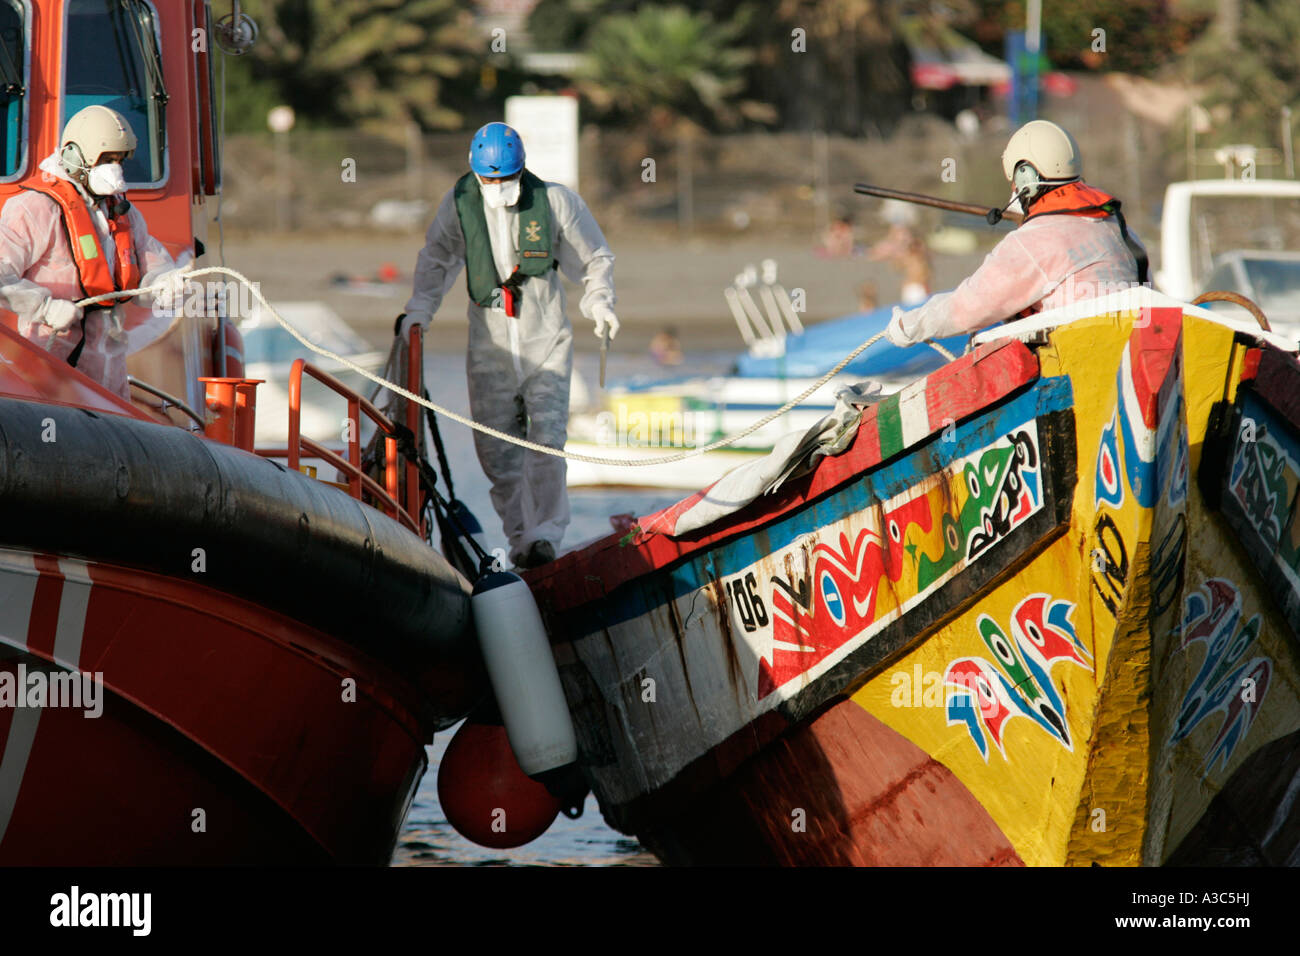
(1073, 244)
(512, 232)
(72, 235)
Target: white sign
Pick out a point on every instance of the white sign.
(548, 126)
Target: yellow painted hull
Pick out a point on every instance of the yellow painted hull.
(1033, 615)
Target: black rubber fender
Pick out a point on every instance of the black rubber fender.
(114, 489)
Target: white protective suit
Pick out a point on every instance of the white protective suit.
(1050, 261)
(36, 266)
(530, 356)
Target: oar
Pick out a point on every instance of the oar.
(991, 216)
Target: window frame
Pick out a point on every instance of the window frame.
(24, 115)
(63, 94)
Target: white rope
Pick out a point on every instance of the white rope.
(487, 430)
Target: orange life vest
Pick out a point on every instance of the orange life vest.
(1080, 199)
(93, 269)
(1076, 199)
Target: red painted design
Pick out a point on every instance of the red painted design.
(856, 573)
(1151, 351)
(1250, 365)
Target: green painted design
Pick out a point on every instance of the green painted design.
(994, 489)
(889, 422)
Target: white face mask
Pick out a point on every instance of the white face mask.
(106, 180)
(497, 195)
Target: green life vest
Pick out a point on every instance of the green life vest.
(534, 236)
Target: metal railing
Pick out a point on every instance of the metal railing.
(411, 511)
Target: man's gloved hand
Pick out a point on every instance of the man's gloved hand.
(402, 327)
(605, 319)
(60, 314)
(172, 294)
(894, 331)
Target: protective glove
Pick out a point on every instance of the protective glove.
(402, 327)
(605, 319)
(60, 314)
(894, 331)
(172, 294)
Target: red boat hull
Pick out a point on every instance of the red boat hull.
(228, 733)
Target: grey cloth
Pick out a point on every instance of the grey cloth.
(794, 454)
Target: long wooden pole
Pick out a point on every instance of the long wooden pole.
(990, 215)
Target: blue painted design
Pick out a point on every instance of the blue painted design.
(963, 710)
(1141, 471)
(831, 598)
(1110, 491)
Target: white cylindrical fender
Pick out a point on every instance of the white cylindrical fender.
(522, 671)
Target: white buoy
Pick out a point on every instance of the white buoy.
(522, 671)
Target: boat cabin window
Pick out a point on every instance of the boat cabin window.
(113, 60)
(13, 88)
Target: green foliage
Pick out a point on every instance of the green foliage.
(668, 62)
(376, 63)
(562, 25)
(248, 98)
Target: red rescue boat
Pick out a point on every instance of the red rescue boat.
(206, 656)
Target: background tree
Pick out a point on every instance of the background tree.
(1248, 69)
(845, 71)
(661, 64)
(1141, 36)
(367, 63)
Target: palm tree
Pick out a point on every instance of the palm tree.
(662, 64)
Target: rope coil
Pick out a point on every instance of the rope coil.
(503, 436)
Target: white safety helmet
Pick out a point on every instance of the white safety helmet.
(1041, 152)
(91, 133)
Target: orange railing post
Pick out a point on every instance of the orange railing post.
(414, 384)
(295, 412)
(359, 482)
(354, 443)
(233, 403)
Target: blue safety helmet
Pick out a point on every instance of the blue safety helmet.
(495, 151)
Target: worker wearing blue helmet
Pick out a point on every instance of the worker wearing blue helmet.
(514, 234)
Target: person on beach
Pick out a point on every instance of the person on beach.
(1073, 244)
(73, 235)
(905, 251)
(514, 234)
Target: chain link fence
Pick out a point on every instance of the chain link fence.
(655, 185)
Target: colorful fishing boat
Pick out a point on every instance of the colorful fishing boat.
(1042, 610)
(205, 655)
